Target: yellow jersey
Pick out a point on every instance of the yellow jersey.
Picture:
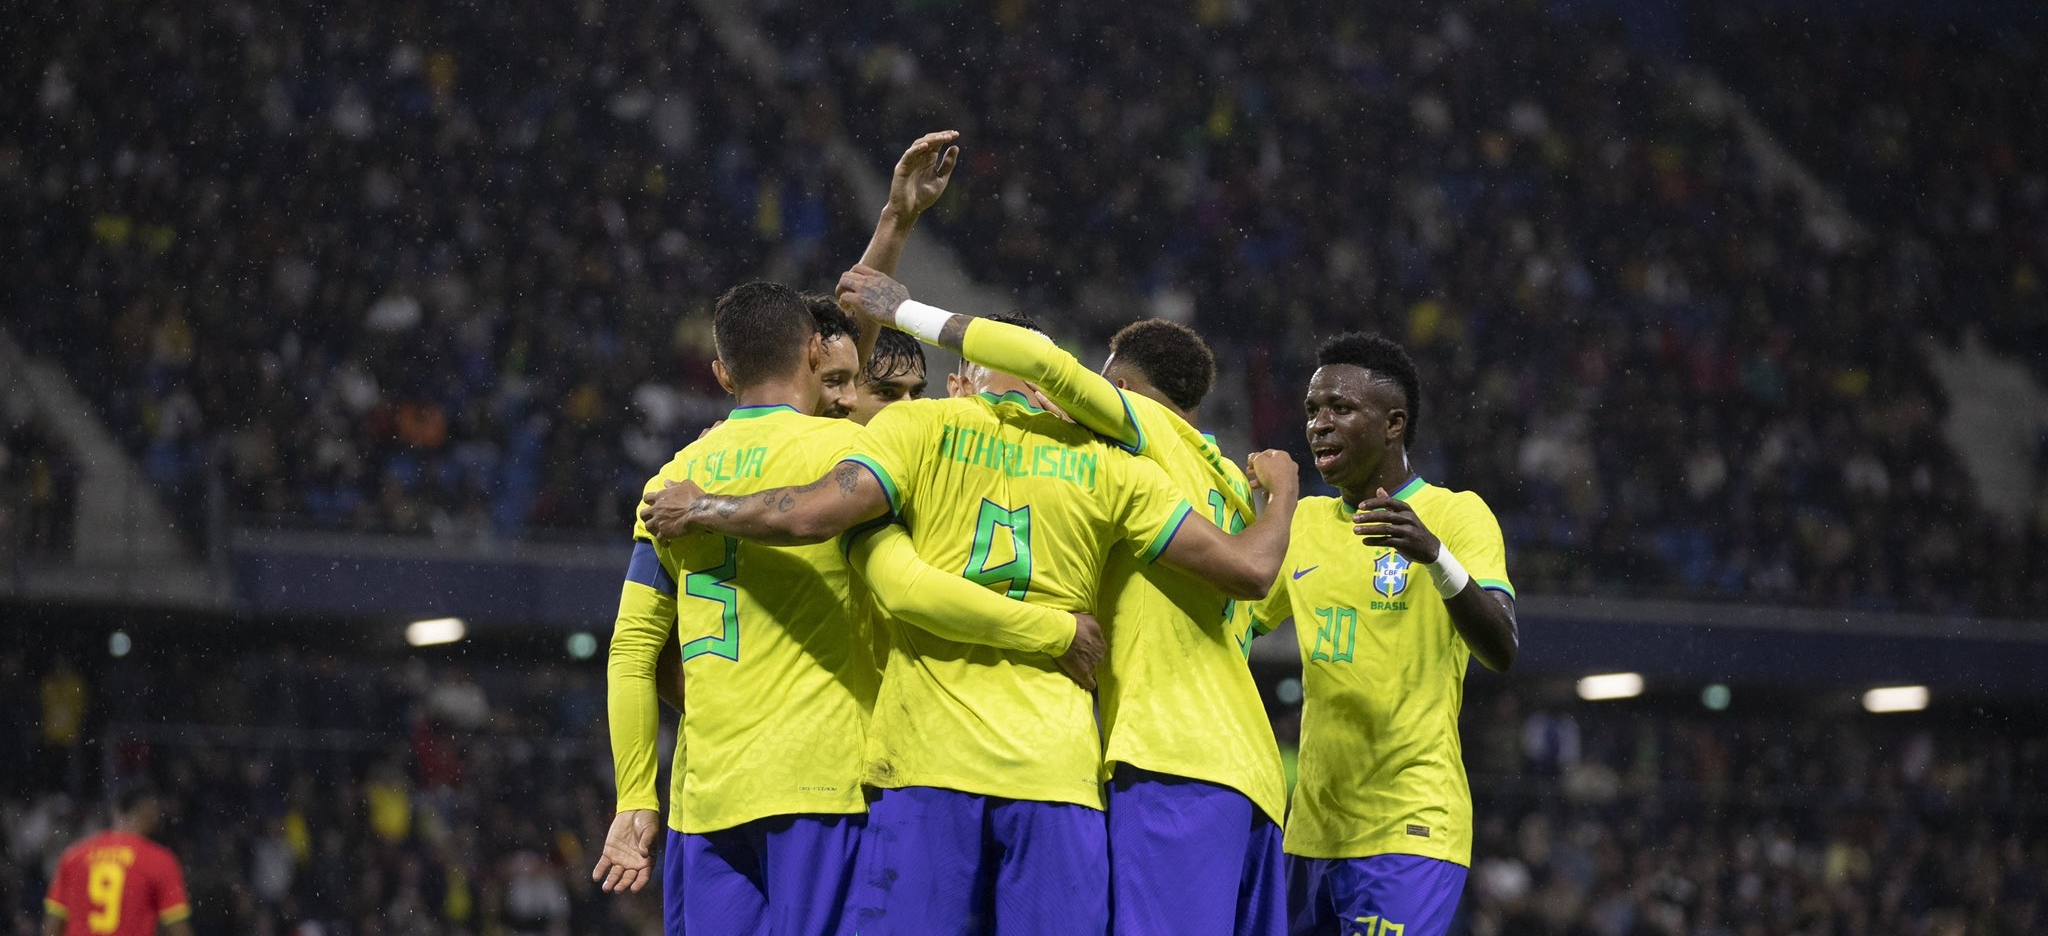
(1028, 505)
(1177, 697)
(779, 671)
(1382, 770)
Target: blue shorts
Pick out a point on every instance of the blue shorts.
(1191, 858)
(1385, 895)
(937, 861)
(782, 874)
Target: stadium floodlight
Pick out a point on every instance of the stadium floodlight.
(1607, 686)
(1895, 699)
(433, 631)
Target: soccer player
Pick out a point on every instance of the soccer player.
(986, 762)
(119, 883)
(895, 372)
(1196, 791)
(1391, 595)
(779, 673)
(839, 371)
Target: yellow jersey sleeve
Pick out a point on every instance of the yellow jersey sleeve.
(1087, 396)
(893, 449)
(1145, 506)
(1473, 535)
(647, 612)
(950, 606)
(1273, 610)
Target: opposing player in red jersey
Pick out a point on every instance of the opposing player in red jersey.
(119, 883)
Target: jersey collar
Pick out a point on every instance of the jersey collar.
(749, 412)
(1009, 396)
(1407, 491)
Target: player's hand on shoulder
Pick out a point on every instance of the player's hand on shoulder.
(1086, 652)
(1383, 520)
(667, 512)
(1274, 472)
(626, 862)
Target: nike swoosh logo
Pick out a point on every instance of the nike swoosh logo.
(1298, 573)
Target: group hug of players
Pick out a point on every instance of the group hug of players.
(978, 664)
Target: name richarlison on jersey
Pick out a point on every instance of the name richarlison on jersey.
(974, 447)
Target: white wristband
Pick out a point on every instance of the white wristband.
(921, 321)
(1449, 575)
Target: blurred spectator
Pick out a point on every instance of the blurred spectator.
(38, 491)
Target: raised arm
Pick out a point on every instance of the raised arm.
(1087, 396)
(952, 607)
(1243, 566)
(921, 176)
(845, 497)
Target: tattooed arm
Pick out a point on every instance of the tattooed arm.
(787, 516)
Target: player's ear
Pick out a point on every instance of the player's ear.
(724, 377)
(1397, 424)
(814, 353)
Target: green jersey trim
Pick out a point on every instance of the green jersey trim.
(1499, 586)
(1131, 420)
(1009, 396)
(750, 412)
(882, 475)
(1165, 537)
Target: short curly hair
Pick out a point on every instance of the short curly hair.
(1170, 356)
(1387, 360)
(833, 322)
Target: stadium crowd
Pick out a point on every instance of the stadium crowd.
(1659, 374)
(314, 792)
(446, 273)
(1935, 136)
(415, 270)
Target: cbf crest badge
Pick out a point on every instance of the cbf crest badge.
(1390, 574)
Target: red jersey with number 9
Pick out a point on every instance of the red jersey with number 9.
(117, 884)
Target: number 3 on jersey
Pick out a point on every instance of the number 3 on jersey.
(1002, 532)
(710, 585)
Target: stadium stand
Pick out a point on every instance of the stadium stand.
(380, 269)
(1936, 135)
(1664, 381)
(348, 791)
(420, 273)
(398, 279)
(339, 791)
